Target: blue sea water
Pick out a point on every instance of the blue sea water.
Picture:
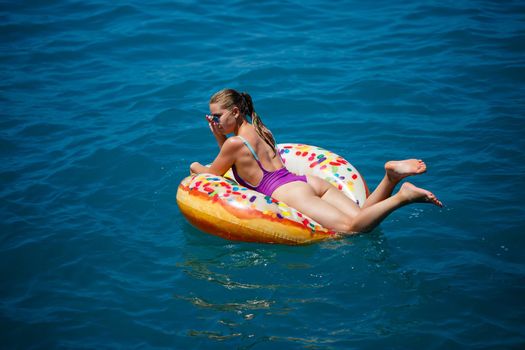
(102, 109)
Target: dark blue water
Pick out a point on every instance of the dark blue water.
(102, 111)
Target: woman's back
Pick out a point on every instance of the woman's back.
(246, 164)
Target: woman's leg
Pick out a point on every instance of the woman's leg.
(395, 171)
(368, 218)
(302, 197)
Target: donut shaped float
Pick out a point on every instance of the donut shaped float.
(220, 206)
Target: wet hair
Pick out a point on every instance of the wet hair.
(229, 98)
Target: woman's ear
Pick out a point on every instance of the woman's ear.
(235, 112)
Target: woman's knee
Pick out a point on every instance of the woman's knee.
(355, 227)
(346, 224)
(351, 225)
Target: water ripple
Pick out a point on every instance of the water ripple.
(102, 112)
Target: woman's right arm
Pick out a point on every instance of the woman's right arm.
(222, 162)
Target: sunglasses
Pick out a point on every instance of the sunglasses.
(213, 118)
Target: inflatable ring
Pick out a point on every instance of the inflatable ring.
(220, 206)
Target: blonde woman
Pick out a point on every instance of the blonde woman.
(256, 164)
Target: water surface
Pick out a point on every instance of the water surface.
(102, 112)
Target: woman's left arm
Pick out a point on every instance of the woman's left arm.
(223, 161)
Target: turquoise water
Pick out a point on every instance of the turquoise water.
(102, 111)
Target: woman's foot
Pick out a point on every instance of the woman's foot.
(413, 194)
(399, 169)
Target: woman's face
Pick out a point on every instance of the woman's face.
(226, 118)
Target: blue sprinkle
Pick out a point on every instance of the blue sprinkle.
(253, 199)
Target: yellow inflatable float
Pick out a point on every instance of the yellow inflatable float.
(220, 206)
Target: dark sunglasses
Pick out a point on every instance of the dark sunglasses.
(212, 118)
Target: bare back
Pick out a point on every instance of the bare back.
(246, 164)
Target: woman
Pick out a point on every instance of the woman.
(253, 157)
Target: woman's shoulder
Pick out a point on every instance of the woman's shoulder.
(232, 144)
(249, 136)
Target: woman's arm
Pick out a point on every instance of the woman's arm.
(223, 161)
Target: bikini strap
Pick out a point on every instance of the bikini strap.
(250, 148)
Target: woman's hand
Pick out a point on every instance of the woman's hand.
(197, 168)
(214, 128)
(192, 168)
